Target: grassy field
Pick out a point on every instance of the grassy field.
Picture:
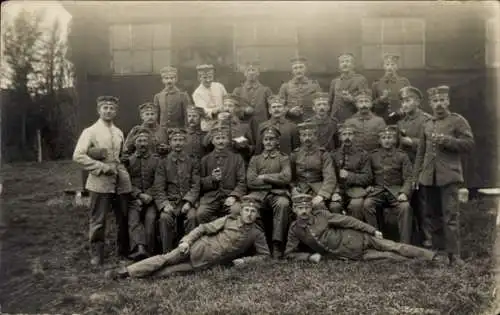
(45, 269)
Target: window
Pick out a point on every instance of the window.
(404, 36)
(492, 43)
(271, 43)
(140, 48)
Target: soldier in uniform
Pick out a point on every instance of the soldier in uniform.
(338, 236)
(218, 242)
(289, 139)
(143, 211)
(298, 92)
(354, 175)
(209, 95)
(312, 167)
(171, 101)
(195, 145)
(438, 170)
(367, 124)
(255, 97)
(392, 186)
(108, 182)
(386, 90)
(223, 180)
(149, 117)
(176, 188)
(344, 87)
(268, 178)
(327, 126)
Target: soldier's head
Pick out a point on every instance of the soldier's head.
(149, 113)
(142, 140)
(346, 62)
(363, 101)
(270, 138)
(194, 115)
(388, 137)
(276, 106)
(308, 133)
(206, 74)
(391, 63)
(230, 104)
(410, 98)
(347, 134)
(320, 104)
(249, 209)
(439, 100)
(107, 107)
(220, 136)
(168, 76)
(251, 71)
(302, 205)
(299, 67)
(177, 139)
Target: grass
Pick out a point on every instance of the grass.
(45, 268)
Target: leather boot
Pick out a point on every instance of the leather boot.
(277, 251)
(140, 253)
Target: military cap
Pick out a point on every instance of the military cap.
(391, 57)
(410, 91)
(195, 109)
(148, 106)
(205, 68)
(440, 90)
(345, 55)
(106, 99)
(302, 200)
(249, 201)
(141, 131)
(346, 127)
(320, 97)
(298, 59)
(270, 130)
(389, 130)
(307, 125)
(275, 99)
(168, 70)
(173, 132)
(363, 94)
(219, 128)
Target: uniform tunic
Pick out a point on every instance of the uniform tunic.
(289, 139)
(195, 143)
(353, 83)
(159, 137)
(392, 103)
(299, 92)
(327, 132)
(368, 128)
(173, 104)
(238, 130)
(256, 95)
(411, 126)
(312, 170)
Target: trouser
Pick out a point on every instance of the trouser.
(170, 227)
(280, 206)
(394, 212)
(440, 210)
(156, 264)
(377, 248)
(142, 225)
(353, 206)
(85, 175)
(100, 205)
(208, 210)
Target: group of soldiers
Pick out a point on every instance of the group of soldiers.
(301, 174)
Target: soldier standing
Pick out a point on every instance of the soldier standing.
(386, 89)
(268, 178)
(298, 92)
(354, 174)
(392, 186)
(438, 170)
(209, 94)
(195, 146)
(108, 182)
(327, 126)
(344, 87)
(289, 139)
(367, 124)
(312, 167)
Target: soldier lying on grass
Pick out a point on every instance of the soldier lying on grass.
(338, 236)
(221, 241)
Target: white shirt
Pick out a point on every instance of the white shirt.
(209, 99)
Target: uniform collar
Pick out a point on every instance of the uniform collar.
(348, 149)
(154, 127)
(322, 120)
(171, 91)
(271, 154)
(413, 115)
(144, 155)
(276, 121)
(251, 85)
(347, 76)
(196, 129)
(314, 148)
(223, 153)
(303, 223)
(177, 156)
(390, 78)
(389, 152)
(302, 80)
(360, 116)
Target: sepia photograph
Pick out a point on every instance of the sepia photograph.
(250, 157)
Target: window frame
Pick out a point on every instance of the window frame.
(381, 44)
(131, 49)
(489, 33)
